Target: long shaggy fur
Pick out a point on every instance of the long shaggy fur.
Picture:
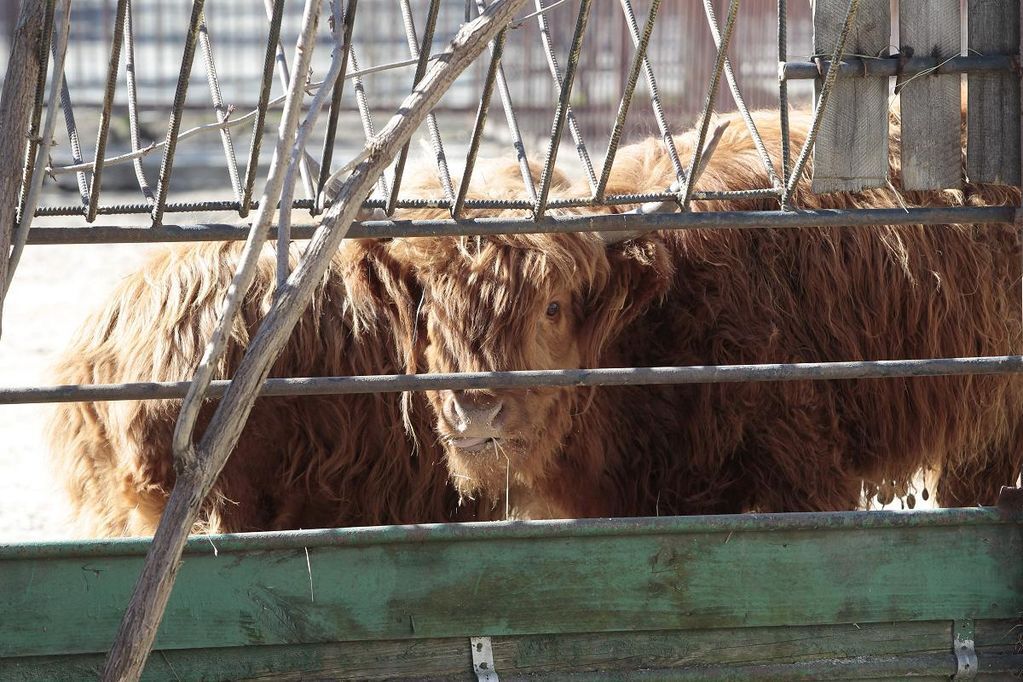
(727, 297)
(301, 462)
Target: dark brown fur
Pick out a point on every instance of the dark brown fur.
(727, 297)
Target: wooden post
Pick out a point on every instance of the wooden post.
(23, 68)
(851, 151)
(932, 156)
(993, 130)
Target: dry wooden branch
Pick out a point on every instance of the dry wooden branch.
(138, 628)
(23, 67)
(61, 31)
(298, 159)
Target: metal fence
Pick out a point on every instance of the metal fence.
(681, 52)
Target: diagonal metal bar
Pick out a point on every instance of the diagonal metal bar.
(481, 121)
(638, 61)
(133, 105)
(344, 38)
(74, 141)
(555, 69)
(365, 115)
(562, 109)
(740, 103)
(423, 55)
(655, 96)
(416, 52)
(219, 107)
(105, 113)
(512, 120)
(251, 168)
(822, 103)
(685, 194)
(174, 124)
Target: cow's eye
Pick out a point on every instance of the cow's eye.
(553, 309)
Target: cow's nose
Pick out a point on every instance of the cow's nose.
(474, 410)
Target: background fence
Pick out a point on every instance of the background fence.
(681, 53)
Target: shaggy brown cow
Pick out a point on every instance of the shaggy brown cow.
(301, 462)
(306, 462)
(726, 297)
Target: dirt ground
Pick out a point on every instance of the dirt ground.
(53, 290)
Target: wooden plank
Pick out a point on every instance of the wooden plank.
(851, 152)
(932, 156)
(861, 651)
(993, 146)
(526, 578)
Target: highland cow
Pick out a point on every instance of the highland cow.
(302, 462)
(709, 297)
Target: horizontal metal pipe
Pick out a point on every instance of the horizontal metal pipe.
(623, 376)
(109, 234)
(893, 66)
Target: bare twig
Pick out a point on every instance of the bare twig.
(138, 627)
(200, 466)
(61, 29)
(26, 60)
(298, 150)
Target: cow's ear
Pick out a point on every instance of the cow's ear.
(639, 274)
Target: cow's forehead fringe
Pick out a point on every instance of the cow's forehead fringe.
(574, 260)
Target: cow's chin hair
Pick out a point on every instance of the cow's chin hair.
(522, 463)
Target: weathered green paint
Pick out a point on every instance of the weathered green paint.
(564, 587)
(869, 651)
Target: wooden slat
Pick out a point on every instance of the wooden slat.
(993, 151)
(851, 152)
(931, 105)
(860, 651)
(522, 579)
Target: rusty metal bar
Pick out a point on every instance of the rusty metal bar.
(481, 121)
(783, 94)
(562, 109)
(174, 124)
(108, 103)
(272, 41)
(345, 45)
(638, 61)
(695, 162)
(423, 57)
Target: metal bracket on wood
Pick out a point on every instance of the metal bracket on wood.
(483, 659)
(965, 653)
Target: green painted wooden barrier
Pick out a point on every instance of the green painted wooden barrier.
(794, 596)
